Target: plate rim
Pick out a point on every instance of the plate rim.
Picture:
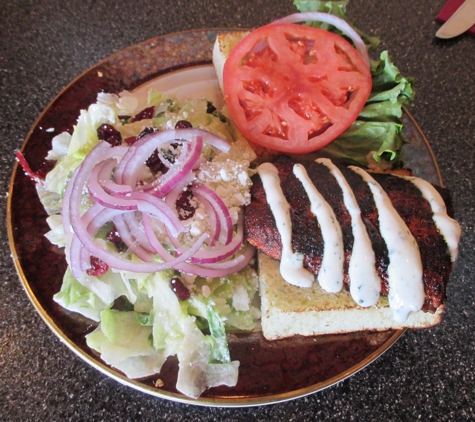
(249, 401)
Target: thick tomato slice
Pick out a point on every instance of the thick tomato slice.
(294, 88)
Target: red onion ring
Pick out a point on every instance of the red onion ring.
(130, 241)
(337, 22)
(182, 166)
(204, 193)
(97, 192)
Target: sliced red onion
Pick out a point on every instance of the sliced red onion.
(149, 204)
(220, 269)
(337, 22)
(241, 260)
(183, 165)
(76, 263)
(104, 179)
(210, 256)
(204, 193)
(98, 193)
(85, 258)
(144, 147)
(161, 251)
(137, 230)
(119, 171)
(130, 241)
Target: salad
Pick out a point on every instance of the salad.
(193, 185)
(147, 199)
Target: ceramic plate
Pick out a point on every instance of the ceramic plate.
(270, 372)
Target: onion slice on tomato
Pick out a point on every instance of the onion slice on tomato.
(337, 22)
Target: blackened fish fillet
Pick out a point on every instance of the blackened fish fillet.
(261, 230)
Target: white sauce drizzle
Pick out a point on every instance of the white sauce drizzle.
(291, 264)
(406, 289)
(330, 275)
(448, 227)
(365, 283)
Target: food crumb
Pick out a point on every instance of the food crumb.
(206, 291)
(159, 383)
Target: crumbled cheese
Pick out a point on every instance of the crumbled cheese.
(243, 178)
(240, 298)
(196, 228)
(224, 175)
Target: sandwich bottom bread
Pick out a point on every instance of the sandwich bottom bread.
(289, 310)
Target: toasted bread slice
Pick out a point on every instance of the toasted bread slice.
(289, 310)
(223, 45)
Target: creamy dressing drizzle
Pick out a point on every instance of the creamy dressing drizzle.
(330, 275)
(365, 283)
(291, 264)
(448, 227)
(406, 289)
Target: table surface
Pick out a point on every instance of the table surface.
(426, 375)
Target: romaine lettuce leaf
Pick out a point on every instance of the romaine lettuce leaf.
(378, 129)
(363, 138)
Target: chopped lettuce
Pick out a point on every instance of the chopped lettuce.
(77, 298)
(138, 343)
(232, 298)
(125, 344)
(84, 136)
(56, 234)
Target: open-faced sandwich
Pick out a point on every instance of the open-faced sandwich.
(341, 249)
(161, 205)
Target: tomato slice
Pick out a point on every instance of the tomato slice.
(294, 88)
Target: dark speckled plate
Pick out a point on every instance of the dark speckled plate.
(270, 372)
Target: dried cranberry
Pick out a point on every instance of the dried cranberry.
(98, 267)
(146, 131)
(113, 236)
(155, 164)
(184, 205)
(183, 124)
(130, 140)
(177, 286)
(146, 113)
(109, 134)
